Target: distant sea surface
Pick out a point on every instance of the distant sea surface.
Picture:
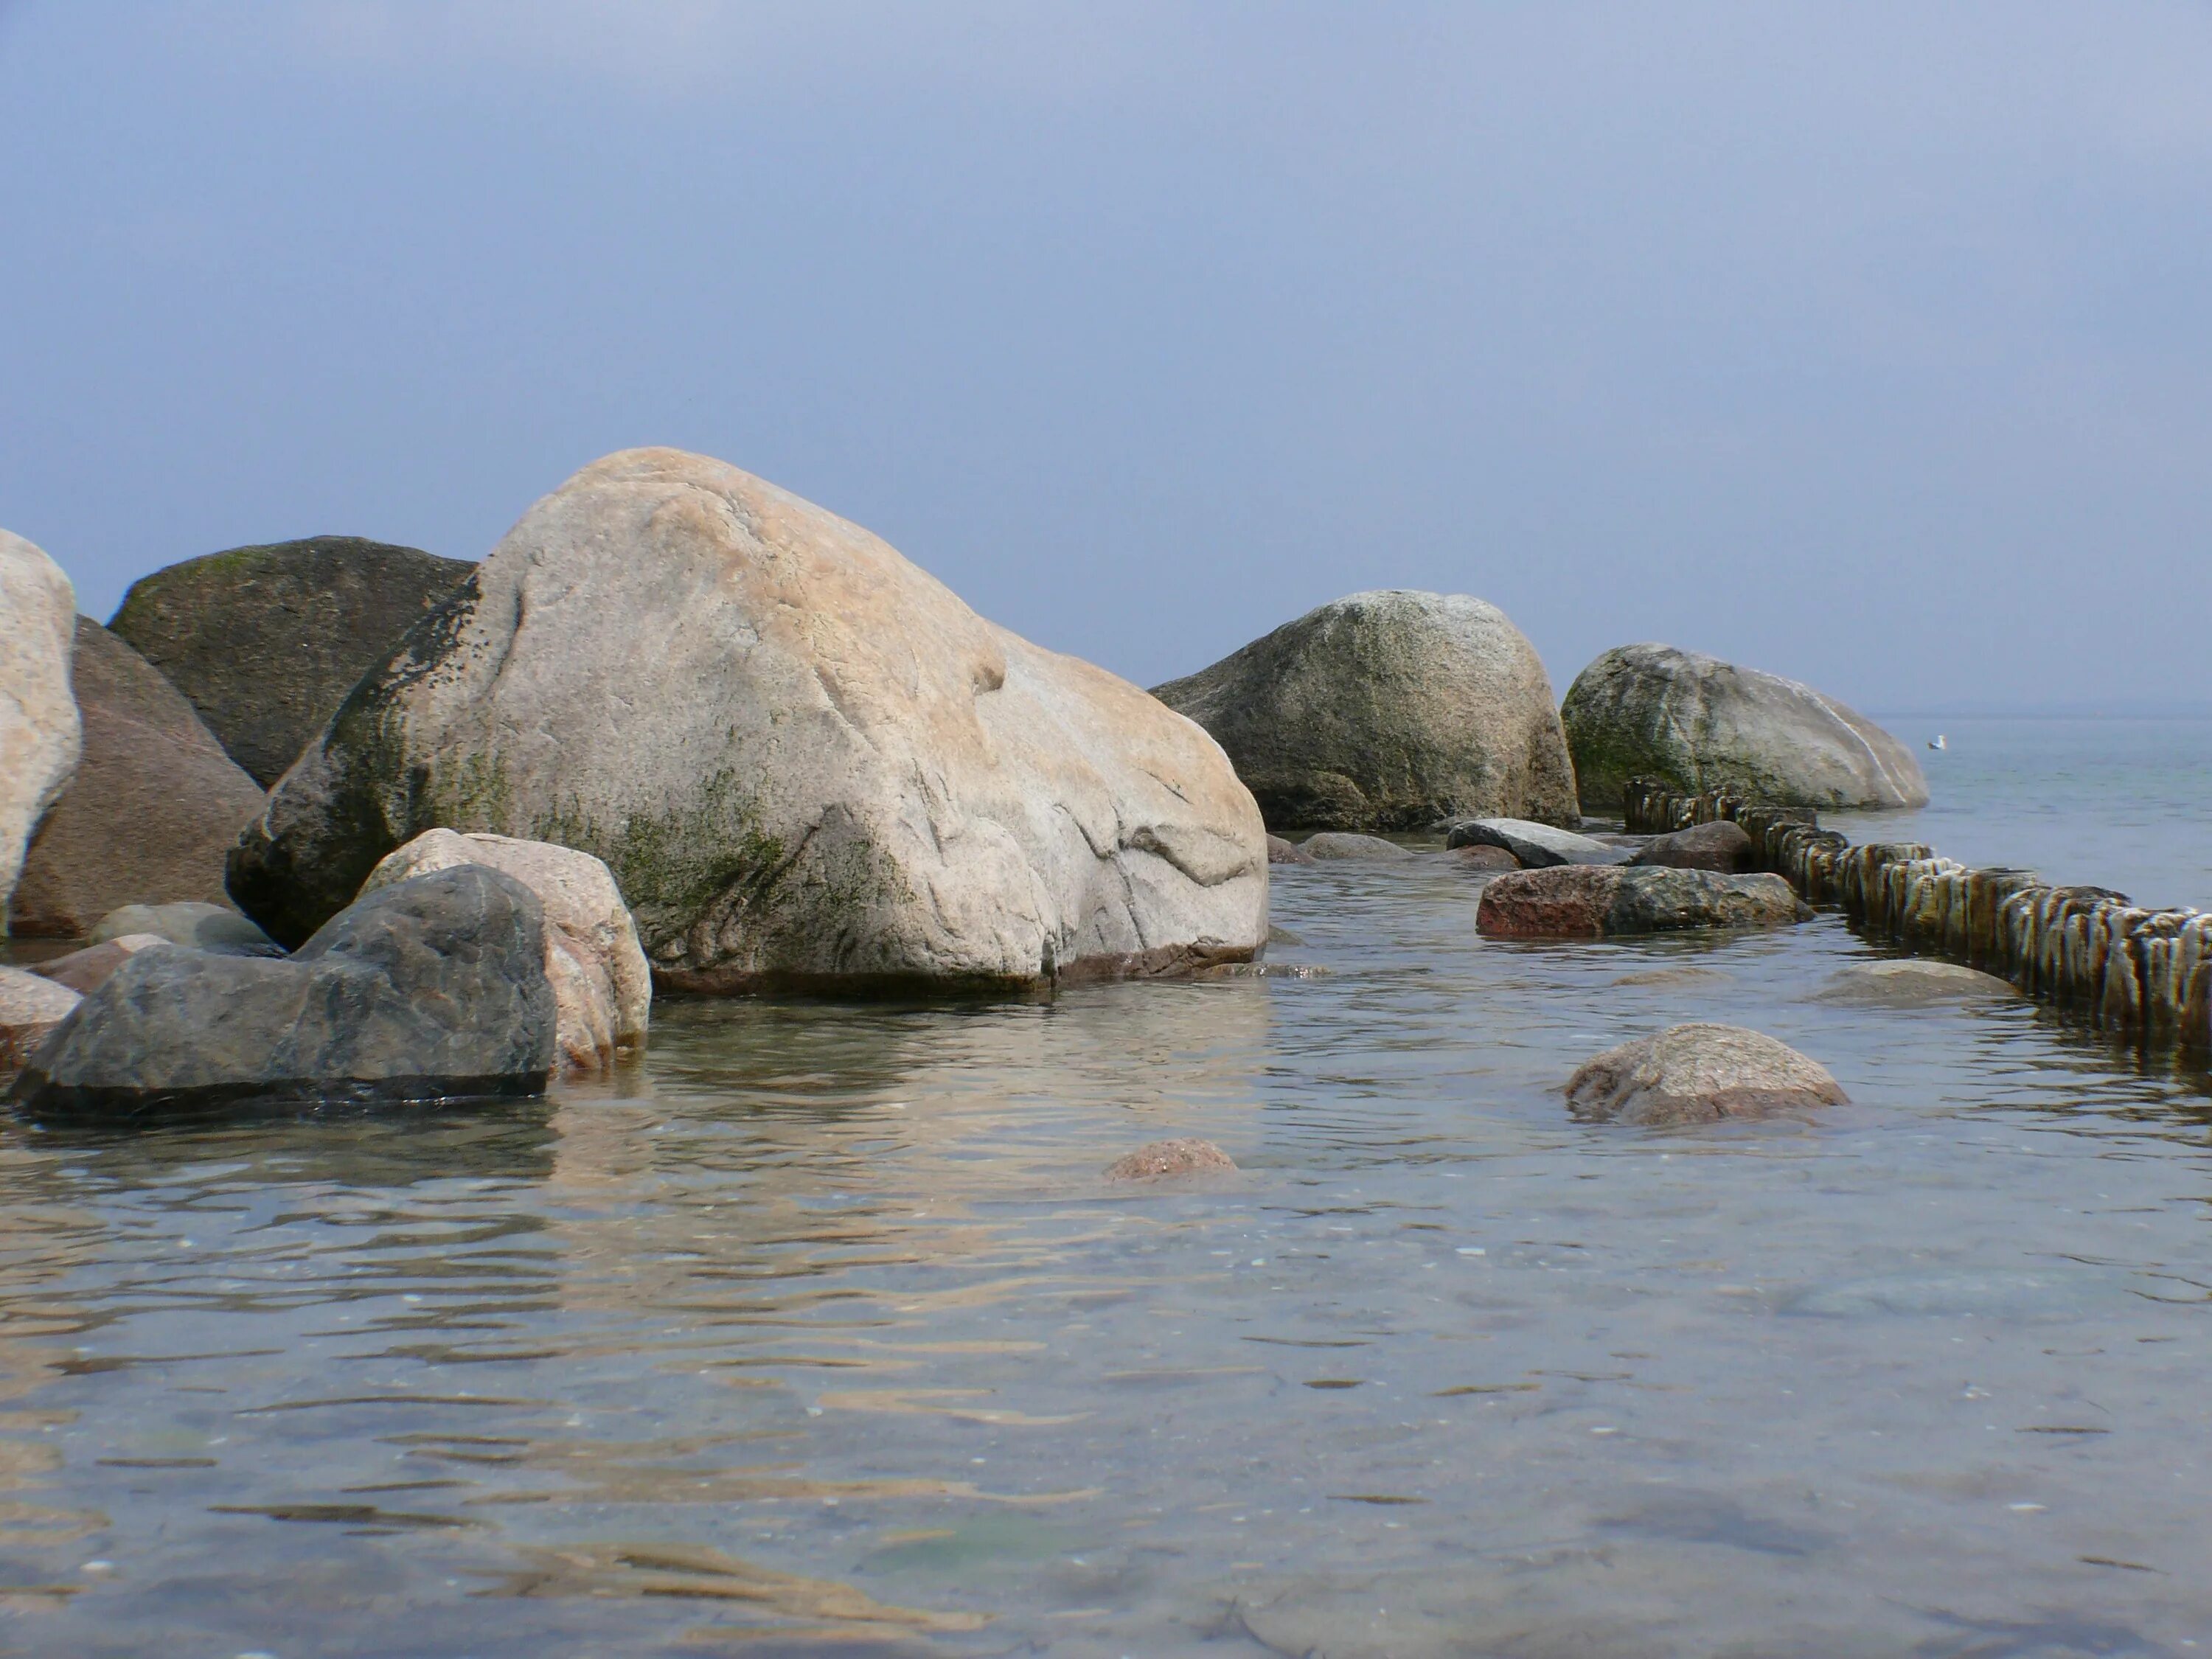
(2121, 802)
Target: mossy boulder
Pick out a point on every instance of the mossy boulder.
(806, 761)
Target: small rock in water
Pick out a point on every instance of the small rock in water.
(1483, 859)
(1287, 852)
(30, 1007)
(1722, 846)
(1912, 984)
(1157, 1160)
(85, 971)
(1676, 976)
(1699, 1073)
(1283, 936)
(1583, 902)
(214, 927)
(432, 989)
(1261, 970)
(1344, 844)
(1537, 846)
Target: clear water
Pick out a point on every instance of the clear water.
(822, 1334)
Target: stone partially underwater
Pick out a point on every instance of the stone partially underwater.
(1582, 900)
(430, 990)
(825, 770)
(2134, 970)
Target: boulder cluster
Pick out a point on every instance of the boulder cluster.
(334, 820)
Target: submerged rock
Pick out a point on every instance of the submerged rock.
(1912, 984)
(153, 810)
(1534, 846)
(1589, 902)
(1340, 844)
(1483, 859)
(39, 732)
(431, 989)
(266, 641)
(215, 927)
(30, 1007)
(1261, 970)
(1388, 710)
(826, 771)
(1721, 846)
(1157, 1160)
(1287, 852)
(601, 984)
(1699, 1073)
(1699, 723)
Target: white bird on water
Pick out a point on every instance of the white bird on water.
(1936, 742)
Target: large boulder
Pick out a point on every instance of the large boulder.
(39, 733)
(1720, 846)
(30, 1007)
(1699, 1073)
(1388, 710)
(153, 811)
(1581, 901)
(431, 989)
(266, 641)
(601, 984)
(1699, 723)
(804, 759)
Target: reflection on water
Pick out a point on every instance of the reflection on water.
(820, 1333)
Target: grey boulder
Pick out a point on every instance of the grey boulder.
(432, 989)
(265, 642)
(1537, 846)
(153, 810)
(1698, 723)
(215, 927)
(1577, 901)
(1388, 710)
(1912, 984)
(1336, 845)
(1699, 1073)
(807, 762)
(39, 730)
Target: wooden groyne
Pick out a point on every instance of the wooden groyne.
(2129, 967)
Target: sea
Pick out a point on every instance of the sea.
(821, 1331)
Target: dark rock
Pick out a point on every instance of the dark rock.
(1331, 844)
(1721, 847)
(1157, 1160)
(152, 812)
(430, 989)
(1593, 901)
(1388, 710)
(1698, 723)
(1287, 852)
(85, 971)
(266, 641)
(1698, 1075)
(1537, 846)
(1484, 859)
(215, 927)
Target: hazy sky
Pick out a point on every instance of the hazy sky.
(1867, 343)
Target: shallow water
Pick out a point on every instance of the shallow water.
(822, 1334)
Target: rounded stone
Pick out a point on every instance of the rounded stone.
(1912, 984)
(1160, 1160)
(1338, 844)
(1699, 1073)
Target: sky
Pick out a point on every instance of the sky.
(1870, 344)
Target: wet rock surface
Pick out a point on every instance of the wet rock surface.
(152, 810)
(601, 984)
(1588, 902)
(1699, 1073)
(265, 642)
(828, 773)
(1483, 859)
(1162, 1160)
(1385, 711)
(1721, 847)
(1912, 984)
(1699, 723)
(1534, 846)
(1228, 970)
(431, 989)
(39, 730)
(1338, 844)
